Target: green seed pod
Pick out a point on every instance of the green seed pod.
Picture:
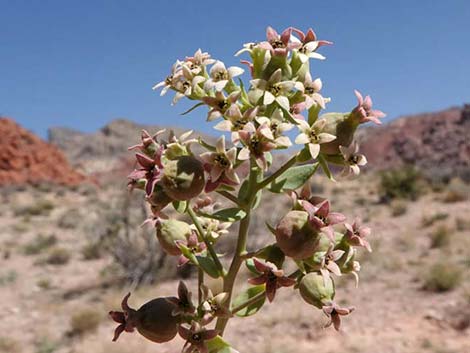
(183, 178)
(314, 290)
(159, 199)
(295, 236)
(154, 320)
(341, 125)
(168, 231)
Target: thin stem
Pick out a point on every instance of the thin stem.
(209, 246)
(277, 173)
(250, 301)
(200, 282)
(229, 280)
(229, 196)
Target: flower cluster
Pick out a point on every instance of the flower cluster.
(255, 120)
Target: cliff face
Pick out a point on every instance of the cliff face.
(436, 143)
(26, 159)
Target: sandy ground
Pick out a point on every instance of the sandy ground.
(393, 313)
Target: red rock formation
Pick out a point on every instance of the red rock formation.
(26, 159)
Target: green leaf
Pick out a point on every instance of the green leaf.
(250, 265)
(272, 253)
(326, 169)
(188, 254)
(313, 113)
(180, 206)
(208, 265)
(219, 345)
(293, 178)
(247, 295)
(227, 215)
(192, 108)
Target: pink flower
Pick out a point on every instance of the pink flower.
(356, 234)
(271, 276)
(328, 262)
(309, 45)
(321, 217)
(256, 141)
(192, 244)
(236, 120)
(364, 110)
(150, 169)
(278, 44)
(219, 165)
(220, 104)
(183, 304)
(311, 90)
(334, 312)
(196, 338)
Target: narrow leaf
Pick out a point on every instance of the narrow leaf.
(293, 178)
(326, 169)
(227, 215)
(208, 265)
(247, 295)
(192, 108)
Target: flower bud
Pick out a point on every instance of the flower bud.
(183, 178)
(171, 230)
(295, 236)
(316, 289)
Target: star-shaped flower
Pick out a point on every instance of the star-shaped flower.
(214, 306)
(150, 169)
(321, 217)
(123, 318)
(278, 44)
(309, 45)
(365, 111)
(256, 141)
(278, 126)
(356, 234)
(219, 165)
(236, 120)
(220, 104)
(352, 159)
(313, 136)
(311, 88)
(328, 262)
(220, 76)
(196, 338)
(274, 90)
(271, 276)
(334, 312)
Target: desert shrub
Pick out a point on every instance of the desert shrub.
(440, 237)
(428, 220)
(462, 224)
(58, 256)
(69, 219)
(442, 276)
(39, 244)
(398, 208)
(9, 345)
(457, 191)
(45, 345)
(8, 277)
(91, 251)
(403, 183)
(84, 321)
(41, 208)
(44, 283)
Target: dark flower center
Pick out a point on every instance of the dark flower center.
(196, 337)
(221, 161)
(313, 136)
(354, 159)
(221, 75)
(274, 89)
(309, 90)
(277, 43)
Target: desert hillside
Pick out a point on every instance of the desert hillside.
(69, 253)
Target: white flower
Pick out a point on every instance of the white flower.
(313, 136)
(220, 76)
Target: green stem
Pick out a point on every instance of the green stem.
(209, 246)
(250, 301)
(229, 196)
(229, 280)
(200, 282)
(277, 173)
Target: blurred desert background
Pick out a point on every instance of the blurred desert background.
(71, 245)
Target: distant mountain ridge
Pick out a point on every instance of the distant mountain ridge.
(436, 143)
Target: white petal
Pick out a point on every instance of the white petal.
(234, 71)
(302, 139)
(220, 85)
(324, 137)
(314, 149)
(244, 154)
(283, 102)
(224, 126)
(220, 145)
(268, 98)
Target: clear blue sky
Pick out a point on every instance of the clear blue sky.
(82, 63)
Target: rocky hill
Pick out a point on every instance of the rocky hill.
(26, 159)
(436, 143)
(105, 149)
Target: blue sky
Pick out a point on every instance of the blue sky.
(83, 63)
